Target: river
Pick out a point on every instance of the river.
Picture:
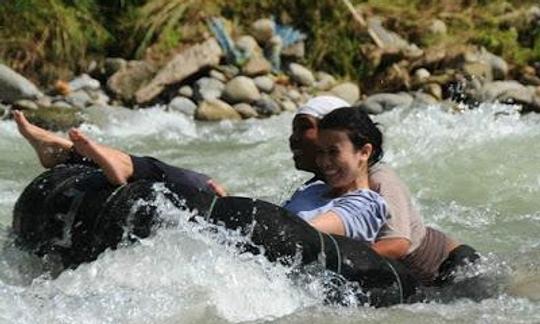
(474, 174)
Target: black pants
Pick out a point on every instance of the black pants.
(149, 168)
(458, 257)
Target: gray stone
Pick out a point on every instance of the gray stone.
(389, 40)
(216, 110)
(79, 99)
(511, 92)
(182, 105)
(421, 75)
(498, 64)
(208, 88)
(266, 106)
(61, 104)
(124, 83)
(433, 89)
(218, 76)
(256, 65)
(301, 74)
(14, 86)
(186, 91)
(381, 102)
(325, 81)
(55, 118)
(294, 95)
(438, 27)
(84, 82)
(288, 105)
(347, 91)
(230, 71)
(26, 104)
(4, 111)
(296, 50)
(114, 64)
(183, 65)
(248, 45)
(423, 99)
(99, 98)
(245, 110)
(263, 29)
(264, 83)
(241, 89)
(480, 70)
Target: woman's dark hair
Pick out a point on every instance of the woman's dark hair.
(360, 128)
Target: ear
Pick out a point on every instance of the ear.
(365, 151)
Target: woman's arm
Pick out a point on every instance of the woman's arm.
(393, 248)
(329, 223)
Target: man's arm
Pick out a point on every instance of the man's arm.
(393, 248)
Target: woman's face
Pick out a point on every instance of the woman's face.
(303, 142)
(339, 162)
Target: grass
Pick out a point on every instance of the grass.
(51, 38)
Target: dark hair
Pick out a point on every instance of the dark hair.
(360, 128)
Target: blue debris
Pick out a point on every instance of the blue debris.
(289, 35)
(232, 54)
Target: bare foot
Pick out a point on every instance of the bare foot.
(116, 165)
(51, 149)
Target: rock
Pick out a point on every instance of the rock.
(301, 74)
(248, 45)
(421, 75)
(125, 83)
(182, 105)
(44, 102)
(294, 95)
(180, 67)
(215, 110)
(25, 104)
(438, 27)
(4, 111)
(423, 99)
(84, 82)
(215, 74)
(480, 70)
(381, 102)
(434, 90)
(388, 40)
(114, 64)
(208, 88)
(186, 91)
(296, 51)
(288, 105)
(55, 118)
(61, 87)
(347, 91)
(266, 106)
(241, 89)
(256, 65)
(395, 78)
(61, 104)
(14, 86)
(498, 64)
(230, 71)
(263, 29)
(245, 110)
(511, 92)
(325, 81)
(264, 83)
(79, 99)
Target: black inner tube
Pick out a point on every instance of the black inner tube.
(73, 212)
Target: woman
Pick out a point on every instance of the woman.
(348, 143)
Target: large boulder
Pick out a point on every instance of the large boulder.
(511, 92)
(55, 118)
(183, 65)
(14, 86)
(241, 89)
(216, 110)
(347, 91)
(124, 83)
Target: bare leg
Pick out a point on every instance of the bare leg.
(116, 165)
(51, 149)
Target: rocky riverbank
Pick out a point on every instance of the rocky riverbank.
(260, 73)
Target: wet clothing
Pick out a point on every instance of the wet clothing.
(405, 220)
(362, 212)
(149, 168)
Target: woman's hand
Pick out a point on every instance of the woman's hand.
(217, 188)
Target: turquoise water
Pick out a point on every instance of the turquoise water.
(474, 175)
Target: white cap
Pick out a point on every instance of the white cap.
(319, 106)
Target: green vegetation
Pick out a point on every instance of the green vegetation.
(48, 39)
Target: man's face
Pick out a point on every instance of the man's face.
(303, 142)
